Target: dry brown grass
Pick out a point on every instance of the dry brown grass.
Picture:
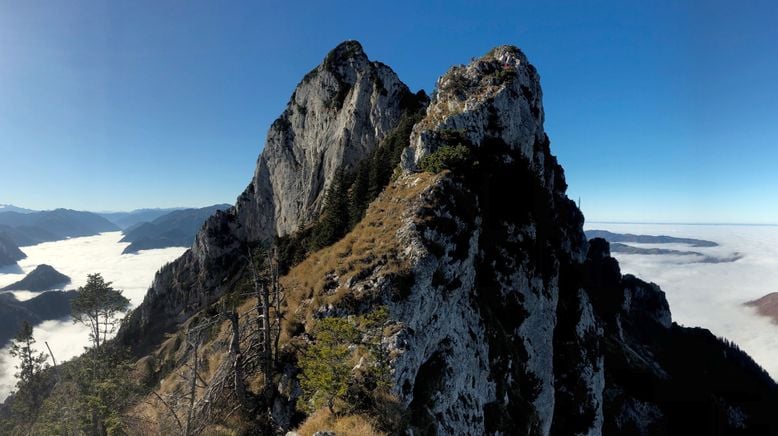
(349, 425)
(372, 244)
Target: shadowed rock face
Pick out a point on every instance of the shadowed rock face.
(767, 306)
(336, 116)
(42, 278)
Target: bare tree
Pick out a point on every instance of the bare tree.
(268, 295)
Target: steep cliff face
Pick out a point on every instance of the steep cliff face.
(489, 253)
(336, 116)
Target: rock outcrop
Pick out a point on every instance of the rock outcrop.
(336, 116)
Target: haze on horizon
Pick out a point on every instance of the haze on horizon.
(659, 112)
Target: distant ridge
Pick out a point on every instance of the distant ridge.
(128, 219)
(175, 229)
(12, 208)
(647, 239)
(52, 225)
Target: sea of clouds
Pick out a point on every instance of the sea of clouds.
(711, 295)
(77, 257)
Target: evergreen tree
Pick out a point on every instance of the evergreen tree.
(96, 306)
(31, 364)
(334, 218)
(359, 194)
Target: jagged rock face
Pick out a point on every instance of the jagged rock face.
(523, 233)
(498, 95)
(336, 116)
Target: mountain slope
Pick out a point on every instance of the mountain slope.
(174, 229)
(9, 252)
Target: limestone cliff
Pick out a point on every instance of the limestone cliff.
(336, 116)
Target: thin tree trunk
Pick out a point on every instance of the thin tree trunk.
(54, 362)
(192, 389)
(240, 385)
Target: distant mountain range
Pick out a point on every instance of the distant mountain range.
(32, 228)
(647, 239)
(128, 219)
(143, 228)
(175, 229)
(12, 208)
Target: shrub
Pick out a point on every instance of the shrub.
(446, 158)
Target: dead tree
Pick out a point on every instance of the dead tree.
(268, 300)
(237, 358)
(194, 342)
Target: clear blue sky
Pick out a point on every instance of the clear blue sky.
(659, 111)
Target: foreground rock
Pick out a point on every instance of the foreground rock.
(42, 278)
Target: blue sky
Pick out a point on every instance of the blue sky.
(659, 111)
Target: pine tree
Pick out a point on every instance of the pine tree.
(359, 194)
(31, 364)
(96, 306)
(334, 219)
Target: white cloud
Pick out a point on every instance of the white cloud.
(711, 295)
(76, 258)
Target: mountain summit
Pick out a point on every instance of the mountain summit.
(432, 277)
(335, 118)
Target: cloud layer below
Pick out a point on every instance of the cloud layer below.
(711, 295)
(76, 258)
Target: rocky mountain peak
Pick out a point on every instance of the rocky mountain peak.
(337, 115)
(347, 53)
(494, 97)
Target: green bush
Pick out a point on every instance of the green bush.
(446, 158)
